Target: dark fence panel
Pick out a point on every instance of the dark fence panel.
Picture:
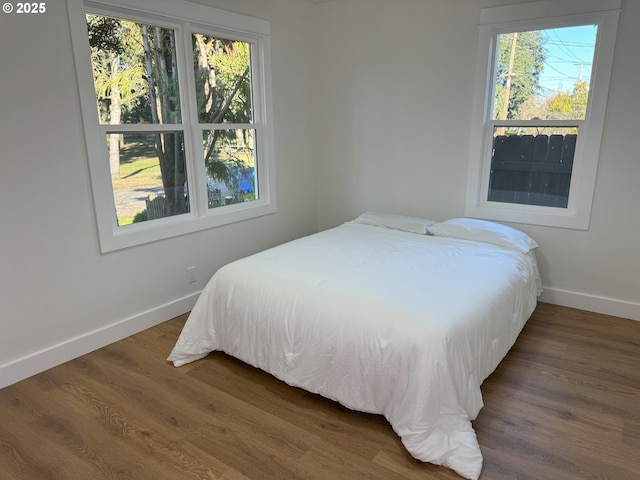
(532, 170)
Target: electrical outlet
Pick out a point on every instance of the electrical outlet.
(191, 274)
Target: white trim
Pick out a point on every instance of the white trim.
(32, 364)
(545, 9)
(192, 12)
(591, 303)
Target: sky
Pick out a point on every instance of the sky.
(570, 54)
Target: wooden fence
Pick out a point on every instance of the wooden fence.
(158, 206)
(532, 170)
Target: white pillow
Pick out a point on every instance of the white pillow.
(484, 231)
(395, 222)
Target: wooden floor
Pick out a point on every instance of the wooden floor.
(564, 404)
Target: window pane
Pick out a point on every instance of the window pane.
(134, 71)
(231, 166)
(544, 74)
(148, 175)
(532, 166)
(223, 83)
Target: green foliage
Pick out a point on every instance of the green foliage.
(104, 34)
(570, 105)
(223, 86)
(530, 55)
(223, 82)
(141, 216)
(136, 81)
(118, 69)
(520, 74)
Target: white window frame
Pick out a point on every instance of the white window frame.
(538, 16)
(184, 17)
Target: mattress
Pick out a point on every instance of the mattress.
(380, 320)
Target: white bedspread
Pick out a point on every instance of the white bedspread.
(382, 321)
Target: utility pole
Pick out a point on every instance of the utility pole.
(581, 65)
(507, 82)
(508, 75)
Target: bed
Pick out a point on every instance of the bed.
(386, 314)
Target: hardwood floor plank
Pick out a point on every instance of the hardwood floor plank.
(324, 418)
(563, 404)
(400, 462)
(168, 433)
(49, 431)
(568, 407)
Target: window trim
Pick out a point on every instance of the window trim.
(184, 17)
(541, 15)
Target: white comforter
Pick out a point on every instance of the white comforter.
(380, 320)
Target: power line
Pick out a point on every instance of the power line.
(573, 44)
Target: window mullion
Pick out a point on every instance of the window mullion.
(142, 127)
(228, 126)
(534, 123)
(197, 174)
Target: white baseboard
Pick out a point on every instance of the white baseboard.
(50, 357)
(591, 303)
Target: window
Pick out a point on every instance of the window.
(176, 117)
(541, 91)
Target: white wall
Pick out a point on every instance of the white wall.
(395, 83)
(59, 297)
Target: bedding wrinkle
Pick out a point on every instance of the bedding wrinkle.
(381, 320)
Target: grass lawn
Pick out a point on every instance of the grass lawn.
(139, 167)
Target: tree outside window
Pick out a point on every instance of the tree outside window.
(137, 85)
